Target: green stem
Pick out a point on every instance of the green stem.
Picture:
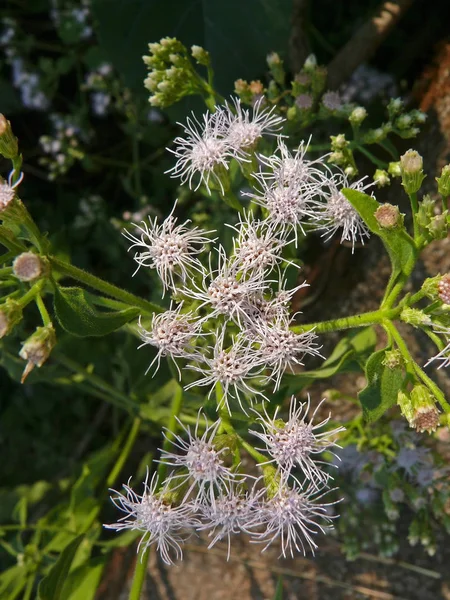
(142, 565)
(43, 310)
(17, 165)
(412, 365)
(260, 458)
(96, 382)
(362, 320)
(125, 452)
(376, 161)
(32, 293)
(103, 286)
(414, 211)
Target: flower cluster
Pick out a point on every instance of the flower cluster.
(231, 323)
(206, 490)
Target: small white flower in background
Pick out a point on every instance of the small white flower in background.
(172, 333)
(230, 367)
(230, 514)
(337, 213)
(292, 516)
(244, 128)
(169, 248)
(201, 464)
(161, 523)
(281, 349)
(203, 152)
(297, 442)
(224, 289)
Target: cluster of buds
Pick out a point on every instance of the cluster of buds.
(206, 490)
(172, 74)
(63, 148)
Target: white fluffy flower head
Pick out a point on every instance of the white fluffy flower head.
(201, 462)
(169, 248)
(203, 152)
(298, 442)
(293, 516)
(244, 128)
(161, 523)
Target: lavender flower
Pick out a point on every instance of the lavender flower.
(243, 130)
(231, 367)
(161, 523)
(298, 442)
(172, 333)
(229, 514)
(337, 213)
(293, 516)
(169, 248)
(200, 462)
(204, 152)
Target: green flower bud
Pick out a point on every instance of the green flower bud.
(393, 359)
(37, 348)
(350, 171)
(310, 63)
(395, 169)
(9, 147)
(10, 315)
(388, 216)
(415, 317)
(444, 181)
(201, 55)
(404, 402)
(411, 164)
(381, 178)
(438, 226)
(404, 122)
(425, 413)
(338, 142)
(395, 107)
(357, 116)
(276, 67)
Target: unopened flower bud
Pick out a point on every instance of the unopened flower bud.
(10, 315)
(395, 106)
(411, 164)
(37, 348)
(404, 402)
(338, 142)
(388, 216)
(414, 317)
(444, 181)
(28, 266)
(431, 288)
(395, 169)
(425, 413)
(201, 55)
(381, 178)
(358, 115)
(438, 227)
(393, 359)
(350, 171)
(304, 101)
(310, 62)
(8, 142)
(443, 288)
(276, 67)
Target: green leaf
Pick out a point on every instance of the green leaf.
(382, 387)
(51, 586)
(125, 27)
(279, 589)
(82, 582)
(12, 582)
(77, 314)
(352, 348)
(399, 245)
